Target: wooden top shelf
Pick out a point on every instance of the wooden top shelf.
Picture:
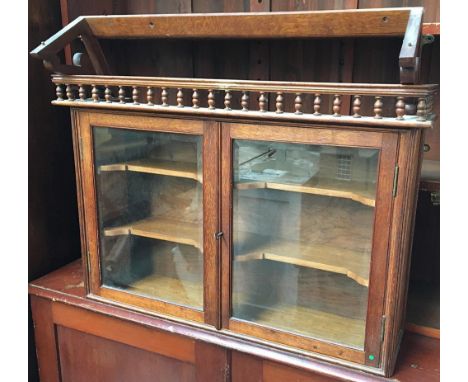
(405, 22)
(158, 167)
(352, 264)
(161, 228)
(347, 190)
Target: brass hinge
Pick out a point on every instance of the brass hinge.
(88, 261)
(395, 180)
(382, 327)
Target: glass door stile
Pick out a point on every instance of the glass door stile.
(302, 239)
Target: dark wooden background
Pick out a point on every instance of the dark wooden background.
(53, 218)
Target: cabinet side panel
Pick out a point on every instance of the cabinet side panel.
(409, 161)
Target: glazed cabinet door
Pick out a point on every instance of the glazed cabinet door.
(306, 216)
(150, 240)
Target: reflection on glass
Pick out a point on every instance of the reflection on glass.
(302, 236)
(149, 197)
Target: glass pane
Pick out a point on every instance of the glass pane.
(149, 193)
(302, 238)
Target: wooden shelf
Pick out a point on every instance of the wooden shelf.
(183, 292)
(348, 190)
(158, 167)
(353, 264)
(309, 322)
(161, 228)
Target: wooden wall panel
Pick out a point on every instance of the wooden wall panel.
(312, 5)
(135, 7)
(431, 7)
(430, 73)
(210, 6)
(53, 231)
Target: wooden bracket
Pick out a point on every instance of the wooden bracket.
(79, 28)
(410, 53)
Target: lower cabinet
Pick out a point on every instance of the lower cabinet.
(83, 340)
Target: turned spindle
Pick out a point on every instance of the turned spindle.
(95, 93)
(298, 104)
(135, 95)
(378, 105)
(317, 103)
(245, 101)
(107, 94)
(337, 106)
(227, 100)
(421, 109)
(59, 92)
(357, 106)
(164, 97)
(82, 93)
(195, 100)
(400, 108)
(180, 98)
(150, 96)
(70, 93)
(121, 94)
(279, 102)
(262, 102)
(211, 100)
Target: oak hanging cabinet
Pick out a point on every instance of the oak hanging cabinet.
(263, 210)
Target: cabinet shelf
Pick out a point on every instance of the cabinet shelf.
(188, 293)
(310, 322)
(161, 228)
(157, 167)
(348, 190)
(352, 264)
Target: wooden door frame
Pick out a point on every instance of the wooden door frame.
(85, 120)
(387, 142)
